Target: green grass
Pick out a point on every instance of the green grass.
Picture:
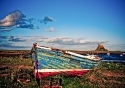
(110, 75)
(14, 67)
(16, 61)
(112, 66)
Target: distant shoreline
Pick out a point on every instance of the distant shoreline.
(98, 52)
(79, 52)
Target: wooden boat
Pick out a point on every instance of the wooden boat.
(50, 61)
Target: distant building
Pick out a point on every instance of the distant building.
(100, 48)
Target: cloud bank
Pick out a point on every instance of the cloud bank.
(13, 46)
(13, 39)
(25, 42)
(70, 41)
(58, 40)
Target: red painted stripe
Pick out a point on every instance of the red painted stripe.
(67, 73)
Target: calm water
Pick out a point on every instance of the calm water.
(112, 56)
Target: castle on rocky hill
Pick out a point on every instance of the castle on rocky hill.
(100, 48)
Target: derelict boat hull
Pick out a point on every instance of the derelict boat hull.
(48, 61)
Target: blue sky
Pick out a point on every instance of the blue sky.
(64, 24)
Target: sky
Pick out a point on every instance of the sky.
(63, 24)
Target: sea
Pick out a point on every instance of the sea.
(112, 57)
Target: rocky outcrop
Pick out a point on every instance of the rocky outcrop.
(100, 48)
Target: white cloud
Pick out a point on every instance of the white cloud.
(16, 19)
(49, 29)
(11, 19)
(47, 18)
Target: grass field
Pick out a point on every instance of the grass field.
(107, 75)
